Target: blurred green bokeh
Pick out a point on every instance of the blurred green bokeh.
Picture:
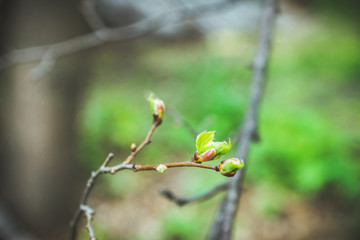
(309, 118)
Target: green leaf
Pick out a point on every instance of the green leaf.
(151, 100)
(222, 147)
(204, 140)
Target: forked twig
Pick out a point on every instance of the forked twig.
(105, 169)
(125, 165)
(101, 34)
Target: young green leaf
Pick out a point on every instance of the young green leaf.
(157, 106)
(203, 140)
(222, 147)
(207, 149)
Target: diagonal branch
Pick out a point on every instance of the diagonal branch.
(94, 175)
(104, 35)
(181, 201)
(222, 227)
(135, 150)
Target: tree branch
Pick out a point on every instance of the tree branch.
(101, 36)
(104, 169)
(90, 184)
(135, 150)
(137, 167)
(180, 201)
(89, 213)
(112, 170)
(222, 227)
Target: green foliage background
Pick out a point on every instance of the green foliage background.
(309, 119)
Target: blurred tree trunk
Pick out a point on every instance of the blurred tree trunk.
(40, 167)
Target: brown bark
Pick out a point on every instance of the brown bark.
(40, 119)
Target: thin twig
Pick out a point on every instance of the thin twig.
(125, 165)
(94, 175)
(103, 35)
(104, 169)
(139, 167)
(181, 201)
(142, 145)
(222, 227)
(90, 184)
(174, 165)
(89, 213)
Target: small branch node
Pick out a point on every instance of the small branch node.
(87, 210)
(133, 147)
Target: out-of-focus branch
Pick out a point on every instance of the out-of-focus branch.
(91, 15)
(89, 213)
(45, 65)
(181, 201)
(222, 227)
(102, 35)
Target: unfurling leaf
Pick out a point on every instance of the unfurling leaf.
(203, 139)
(157, 106)
(222, 147)
(207, 149)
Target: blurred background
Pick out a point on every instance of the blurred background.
(302, 177)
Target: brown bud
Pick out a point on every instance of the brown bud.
(156, 119)
(196, 157)
(228, 174)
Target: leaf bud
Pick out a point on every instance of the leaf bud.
(208, 155)
(229, 167)
(208, 149)
(157, 106)
(161, 168)
(133, 147)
